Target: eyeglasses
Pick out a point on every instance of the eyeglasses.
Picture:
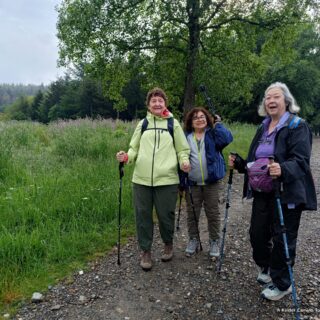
(198, 118)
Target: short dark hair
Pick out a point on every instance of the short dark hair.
(190, 115)
(156, 92)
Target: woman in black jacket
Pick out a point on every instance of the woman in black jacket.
(287, 139)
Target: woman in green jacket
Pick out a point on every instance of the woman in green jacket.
(157, 147)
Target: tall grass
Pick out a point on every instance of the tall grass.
(242, 137)
(59, 197)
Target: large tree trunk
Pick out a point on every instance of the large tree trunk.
(193, 48)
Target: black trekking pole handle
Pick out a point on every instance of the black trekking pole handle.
(121, 174)
(231, 170)
(207, 98)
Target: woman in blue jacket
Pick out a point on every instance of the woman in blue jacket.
(206, 137)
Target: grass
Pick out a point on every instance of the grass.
(242, 137)
(59, 187)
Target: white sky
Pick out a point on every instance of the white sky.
(28, 43)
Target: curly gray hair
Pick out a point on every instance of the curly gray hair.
(290, 102)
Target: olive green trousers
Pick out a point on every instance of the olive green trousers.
(206, 196)
(163, 199)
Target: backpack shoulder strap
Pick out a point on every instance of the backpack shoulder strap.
(144, 125)
(171, 127)
(294, 122)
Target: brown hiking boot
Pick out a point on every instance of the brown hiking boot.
(145, 262)
(167, 252)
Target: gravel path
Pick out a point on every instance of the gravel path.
(188, 288)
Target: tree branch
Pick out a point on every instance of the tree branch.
(213, 14)
(267, 25)
(127, 47)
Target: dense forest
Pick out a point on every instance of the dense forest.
(118, 50)
(11, 92)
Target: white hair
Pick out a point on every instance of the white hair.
(290, 102)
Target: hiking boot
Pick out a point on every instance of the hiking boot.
(145, 262)
(192, 247)
(167, 252)
(263, 275)
(214, 248)
(273, 293)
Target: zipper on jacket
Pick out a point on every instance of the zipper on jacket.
(159, 138)
(154, 150)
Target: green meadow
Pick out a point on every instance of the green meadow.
(59, 187)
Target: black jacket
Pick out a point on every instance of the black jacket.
(293, 152)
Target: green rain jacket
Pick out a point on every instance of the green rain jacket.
(155, 153)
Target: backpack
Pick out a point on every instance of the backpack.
(170, 129)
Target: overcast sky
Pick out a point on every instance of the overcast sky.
(28, 43)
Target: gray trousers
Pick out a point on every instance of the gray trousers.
(208, 197)
(164, 199)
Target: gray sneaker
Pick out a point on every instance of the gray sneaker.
(264, 275)
(214, 248)
(271, 292)
(193, 247)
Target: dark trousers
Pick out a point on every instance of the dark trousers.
(267, 239)
(164, 199)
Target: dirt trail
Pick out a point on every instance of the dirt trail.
(189, 288)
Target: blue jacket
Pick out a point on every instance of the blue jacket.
(215, 140)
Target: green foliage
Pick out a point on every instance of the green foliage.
(120, 50)
(300, 72)
(9, 93)
(115, 84)
(178, 45)
(58, 185)
(20, 109)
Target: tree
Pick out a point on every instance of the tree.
(9, 93)
(184, 39)
(51, 98)
(34, 112)
(301, 72)
(20, 109)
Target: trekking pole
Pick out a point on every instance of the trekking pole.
(179, 212)
(285, 242)
(193, 210)
(121, 174)
(203, 89)
(224, 230)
